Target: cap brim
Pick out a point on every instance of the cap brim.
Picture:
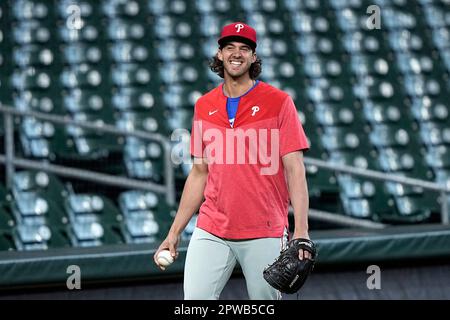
(223, 41)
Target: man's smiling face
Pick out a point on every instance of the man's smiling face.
(237, 57)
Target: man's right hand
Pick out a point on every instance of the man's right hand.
(170, 243)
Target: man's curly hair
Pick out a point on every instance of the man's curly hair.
(216, 66)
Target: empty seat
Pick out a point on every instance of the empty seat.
(435, 133)
(438, 157)
(124, 75)
(146, 216)
(143, 159)
(140, 120)
(123, 8)
(385, 135)
(30, 236)
(434, 109)
(364, 198)
(94, 220)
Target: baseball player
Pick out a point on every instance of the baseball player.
(247, 143)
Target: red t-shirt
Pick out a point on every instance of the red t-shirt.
(246, 193)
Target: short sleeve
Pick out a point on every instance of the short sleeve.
(292, 135)
(197, 146)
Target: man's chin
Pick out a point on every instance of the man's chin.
(236, 74)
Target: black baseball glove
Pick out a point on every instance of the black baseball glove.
(288, 273)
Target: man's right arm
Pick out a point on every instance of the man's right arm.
(191, 199)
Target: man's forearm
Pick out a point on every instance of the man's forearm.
(298, 193)
(191, 200)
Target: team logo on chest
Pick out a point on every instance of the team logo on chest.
(255, 109)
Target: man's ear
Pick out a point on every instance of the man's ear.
(219, 55)
(254, 57)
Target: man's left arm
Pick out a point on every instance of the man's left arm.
(298, 193)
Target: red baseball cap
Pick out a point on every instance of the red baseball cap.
(238, 31)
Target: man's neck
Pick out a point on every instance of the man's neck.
(234, 88)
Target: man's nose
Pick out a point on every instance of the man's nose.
(236, 53)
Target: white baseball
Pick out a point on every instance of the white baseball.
(164, 258)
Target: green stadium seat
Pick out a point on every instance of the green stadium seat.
(364, 198)
(341, 138)
(434, 109)
(400, 160)
(121, 29)
(81, 76)
(220, 8)
(78, 101)
(135, 99)
(438, 157)
(415, 209)
(147, 216)
(419, 85)
(441, 37)
(89, 33)
(180, 72)
(403, 40)
(41, 101)
(172, 8)
(181, 119)
(176, 50)
(363, 64)
(435, 13)
(124, 9)
(318, 67)
(31, 79)
(40, 183)
(27, 10)
(179, 27)
(435, 133)
(143, 160)
(393, 135)
(141, 120)
(362, 157)
(130, 52)
(382, 113)
(285, 72)
(317, 44)
(89, 11)
(369, 42)
(124, 75)
(38, 237)
(31, 31)
(94, 220)
(181, 96)
(78, 53)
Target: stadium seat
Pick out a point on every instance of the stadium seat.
(364, 198)
(427, 108)
(435, 133)
(94, 220)
(438, 157)
(143, 160)
(38, 237)
(146, 216)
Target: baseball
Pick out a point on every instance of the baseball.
(164, 258)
